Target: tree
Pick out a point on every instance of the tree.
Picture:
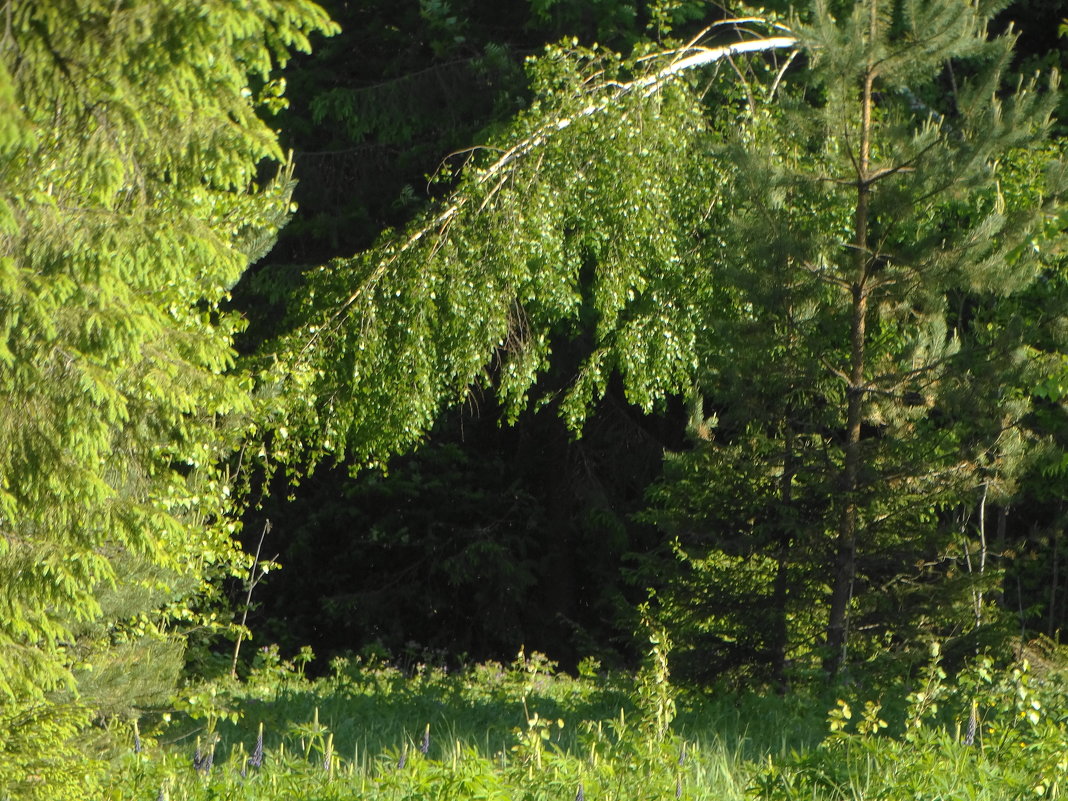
(130, 201)
(618, 219)
(910, 248)
(871, 241)
(575, 228)
(430, 81)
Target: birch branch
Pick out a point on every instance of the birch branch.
(695, 57)
(688, 58)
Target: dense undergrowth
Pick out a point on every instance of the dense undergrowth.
(526, 731)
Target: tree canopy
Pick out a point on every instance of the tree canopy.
(844, 207)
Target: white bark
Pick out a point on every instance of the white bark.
(689, 58)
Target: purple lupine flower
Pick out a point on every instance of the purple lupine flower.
(256, 760)
(424, 748)
(682, 755)
(162, 796)
(678, 787)
(137, 740)
(328, 754)
(403, 758)
(202, 762)
(973, 721)
(580, 795)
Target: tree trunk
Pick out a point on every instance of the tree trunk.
(845, 563)
(780, 590)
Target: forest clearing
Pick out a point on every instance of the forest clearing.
(714, 360)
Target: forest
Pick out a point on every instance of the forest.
(539, 399)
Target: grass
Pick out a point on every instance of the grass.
(523, 731)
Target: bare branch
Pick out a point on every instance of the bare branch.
(780, 74)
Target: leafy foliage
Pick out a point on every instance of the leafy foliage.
(494, 732)
(560, 236)
(830, 223)
(987, 733)
(522, 730)
(443, 75)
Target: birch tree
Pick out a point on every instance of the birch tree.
(579, 222)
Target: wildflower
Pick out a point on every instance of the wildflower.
(424, 748)
(678, 787)
(580, 796)
(256, 760)
(969, 737)
(403, 758)
(328, 754)
(682, 755)
(202, 761)
(137, 739)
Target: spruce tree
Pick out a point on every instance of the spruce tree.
(130, 201)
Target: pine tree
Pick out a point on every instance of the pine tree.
(874, 197)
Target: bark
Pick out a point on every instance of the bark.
(846, 546)
(780, 590)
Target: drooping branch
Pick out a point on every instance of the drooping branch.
(680, 61)
(691, 58)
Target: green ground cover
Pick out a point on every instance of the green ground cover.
(526, 731)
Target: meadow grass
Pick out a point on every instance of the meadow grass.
(524, 731)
